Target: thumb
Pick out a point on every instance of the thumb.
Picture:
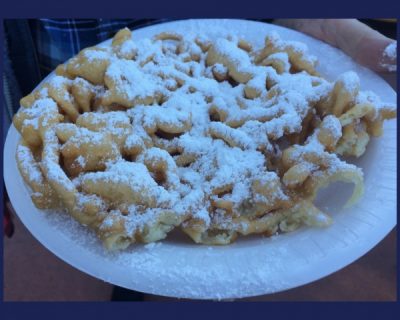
(365, 45)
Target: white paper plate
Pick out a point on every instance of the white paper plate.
(251, 266)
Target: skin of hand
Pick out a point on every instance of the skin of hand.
(365, 45)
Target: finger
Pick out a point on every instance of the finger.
(365, 45)
(317, 28)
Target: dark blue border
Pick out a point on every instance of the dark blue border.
(201, 311)
(397, 174)
(1, 162)
(199, 9)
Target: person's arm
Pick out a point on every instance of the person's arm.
(365, 45)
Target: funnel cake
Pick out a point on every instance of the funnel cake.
(208, 135)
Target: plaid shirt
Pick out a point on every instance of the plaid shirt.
(58, 40)
(34, 48)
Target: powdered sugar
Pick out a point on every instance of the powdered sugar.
(220, 68)
(232, 136)
(59, 82)
(116, 123)
(390, 54)
(372, 98)
(142, 188)
(350, 81)
(295, 46)
(236, 55)
(81, 161)
(391, 51)
(333, 125)
(136, 221)
(92, 55)
(41, 107)
(81, 135)
(129, 47)
(283, 58)
(224, 153)
(212, 275)
(130, 80)
(28, 164)
(50, 163)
